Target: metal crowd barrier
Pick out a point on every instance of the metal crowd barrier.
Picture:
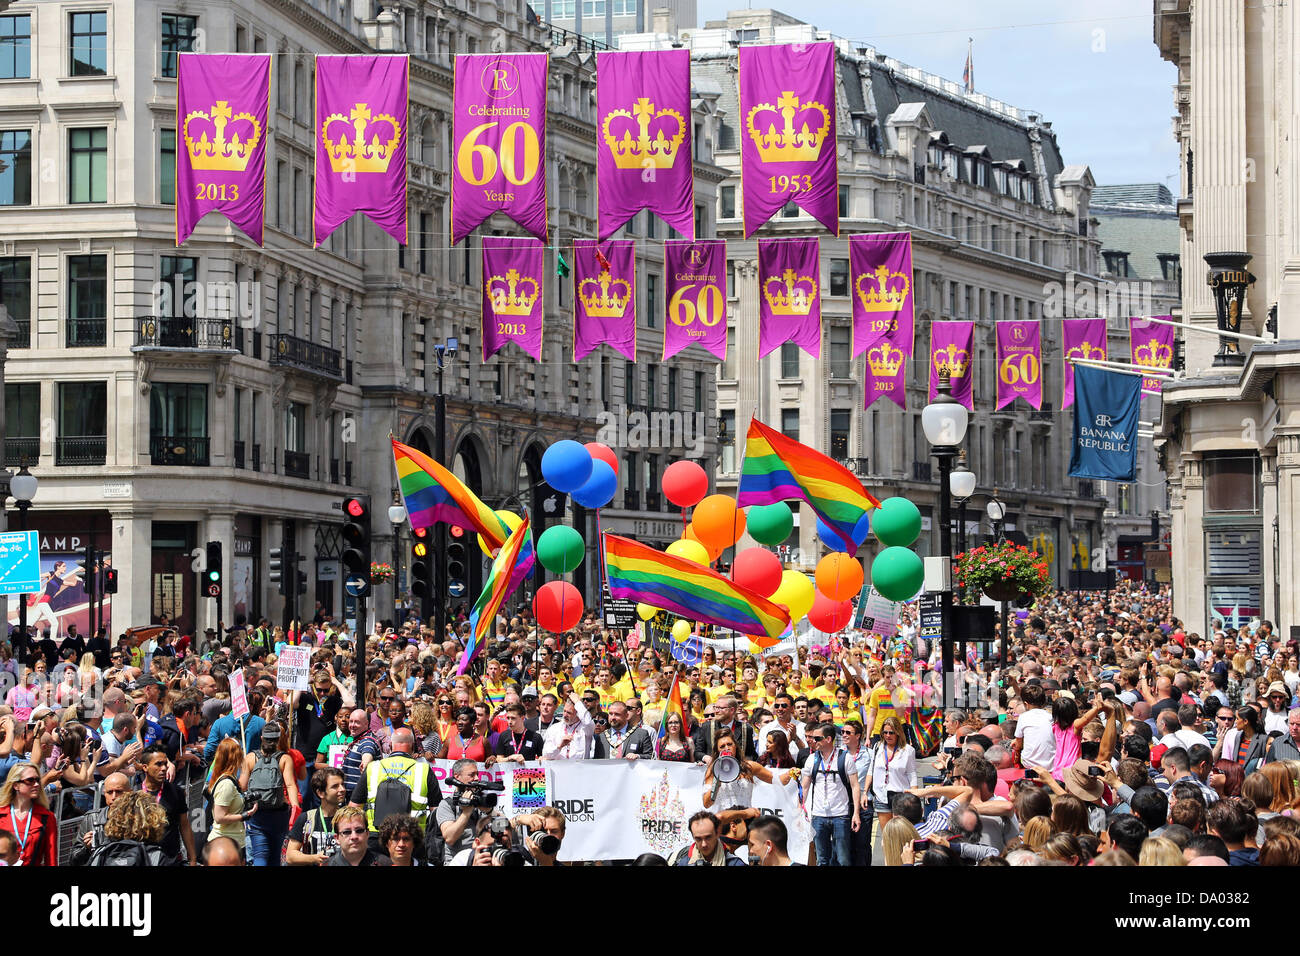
(68, 815)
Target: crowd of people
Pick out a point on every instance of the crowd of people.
(1115, 736)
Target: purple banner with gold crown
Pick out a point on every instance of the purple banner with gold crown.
(644, 148)
(221, 109)
(696, 296)
(512, 294)
(1020, 363)
(360, 143)
(790, 300)
(886, 371)
(787, 132)
(1152, 345)
(604, 297)
(499, 141)
(1080, 339)
(952, 346)
(880, 266)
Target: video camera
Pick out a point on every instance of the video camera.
(480, 794)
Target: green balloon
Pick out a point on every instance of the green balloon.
(769, 524)
(896, 523)
(897, 573)
(560, 549)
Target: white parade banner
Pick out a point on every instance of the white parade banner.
(292, 666)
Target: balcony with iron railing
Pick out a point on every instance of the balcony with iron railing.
(1086, 489)
(20, 450)
(297, 464)
(176, 450)
(293, 352)
(86, 333)
(653, 501)
(80, 450)
(182, 332)
(23, 337)
(631, 499)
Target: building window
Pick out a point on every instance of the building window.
(672, 389)
(629, 384)
(88, 35)
(790, 423)
(16, 296)
(789, 360)
(167, 168)
(88, 165)
(839, 277)
(177, 37)
(839, 443)
(841, 351)
(426, 240)
(699, 392)
(729, 363)
(789, 210)
(593, 8)
(174, 271)
(844, 202)
(1232, 483)
(178, 423)
(295, 427)
(651, 299)
(729, 446)
(22, 422)
(699, 220)
(651, 225)
(83, 423)
(727, 202)
(87, 300)
(606, 383)
(651, 386)
(15, 47)
(15, 167)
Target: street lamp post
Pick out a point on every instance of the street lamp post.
(444, 353)
(997, 513)
(22, 487)
(962, 485)
(944, 421)
(396, 515)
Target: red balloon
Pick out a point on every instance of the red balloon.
(685, 483)
(757, 569)
(604, 453)
(557, 606)
(830, 616)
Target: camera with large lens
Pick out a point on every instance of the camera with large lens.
(480, 794)
(502, 853)
(544, 842)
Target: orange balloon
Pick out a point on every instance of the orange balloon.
(718, 522)
(690, 535)
(839, 576)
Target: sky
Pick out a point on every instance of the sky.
(1092, 69)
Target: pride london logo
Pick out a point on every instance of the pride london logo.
(663, 817)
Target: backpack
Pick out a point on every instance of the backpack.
(127, 853)
(391, 796)
(266, 783)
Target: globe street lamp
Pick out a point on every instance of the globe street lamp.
(962, 485)
(22, 487)
(997, 513)
(944, 422)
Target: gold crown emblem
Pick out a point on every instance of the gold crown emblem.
(882, 290)
(643, 152)
(508, 296)
(791, 294)
(1086, 350)
(1153, 355)
(219, 152)
(955, 360)
(610, 302)
(357, 155)
(787, 145)
(885, 360)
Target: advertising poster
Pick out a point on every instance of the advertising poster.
(62, 599)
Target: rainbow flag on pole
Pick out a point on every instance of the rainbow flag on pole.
(431, 494)
(640, 573)
(673, 705)
(777, 468)
(499, 585)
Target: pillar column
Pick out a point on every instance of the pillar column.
(132, 553)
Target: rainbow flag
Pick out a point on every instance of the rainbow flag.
(431, 494)
(498, 587)
(640, 573)
(672, 706)
(777, 468)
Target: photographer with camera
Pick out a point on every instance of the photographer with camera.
(493, 845)
(459, 813)
(544, 834)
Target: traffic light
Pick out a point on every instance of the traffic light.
(276, 570)
(302, 579)
(110, 580)
(356, 537)
(213, 572)
(455, 560)
(87, 565)
(421, 565)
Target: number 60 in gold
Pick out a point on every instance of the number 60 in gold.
(708, 305)
(509, 160)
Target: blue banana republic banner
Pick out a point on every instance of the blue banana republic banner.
(1104, 436)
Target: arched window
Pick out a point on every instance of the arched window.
(428, 144)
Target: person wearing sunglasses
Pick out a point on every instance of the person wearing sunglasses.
(25, 812)
(353, 835)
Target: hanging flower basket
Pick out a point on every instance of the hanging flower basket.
(1004, 572)
(380, 572)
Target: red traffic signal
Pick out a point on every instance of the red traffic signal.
(457, 531)
(354, 507)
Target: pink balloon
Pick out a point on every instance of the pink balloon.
(757, 569)
(557, 606)
(604, 453)
(685, 484)
(830, 616)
